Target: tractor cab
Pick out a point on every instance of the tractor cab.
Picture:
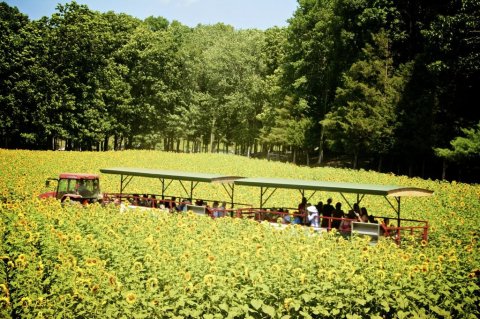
(77, 187)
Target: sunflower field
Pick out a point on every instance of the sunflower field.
(73, 261)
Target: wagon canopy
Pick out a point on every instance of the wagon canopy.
(268, 186)
(167, 176)
(337, 187)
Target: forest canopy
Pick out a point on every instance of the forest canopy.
(385, 85)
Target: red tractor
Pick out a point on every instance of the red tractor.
(76, 187)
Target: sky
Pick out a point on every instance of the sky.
(242, 14)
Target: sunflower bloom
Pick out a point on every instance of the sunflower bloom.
(25, 302)
(112, 280)
(152, 283)
(131, 298)
(211, 259)
(94, 289)
(4, 300)
(209, 279)
(90, 262)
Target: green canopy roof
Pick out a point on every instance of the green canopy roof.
(167, 174)
(370, 189)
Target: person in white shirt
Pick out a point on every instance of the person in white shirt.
(313, 216)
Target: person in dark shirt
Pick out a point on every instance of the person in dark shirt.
(327, 212)
(338, 213)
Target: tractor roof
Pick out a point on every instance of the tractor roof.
(78, 176)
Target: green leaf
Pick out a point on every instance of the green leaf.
(308, 297)
(256, 303)
(361, 302)
(223, 306)
(269, 310)
(440, 311)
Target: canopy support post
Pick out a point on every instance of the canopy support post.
(192, 187)
(310, 197)
(396, 209)
(361, 198)
(127, 179)
(230, 193)
(164, 189)
(184, 188)
(262, 193)
(346, 200)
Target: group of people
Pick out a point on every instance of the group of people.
(328, 216)
(175, 205)
(320, 215)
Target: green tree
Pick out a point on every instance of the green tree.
(11, 62)
(463, 148)
(364, 116)
(156, 75)
(227, 84)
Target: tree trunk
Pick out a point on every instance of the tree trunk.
(380, 162)
(320, 146)
(105, 143)
(355, 160)
(444, 169)
(212, 137)
(294, 152)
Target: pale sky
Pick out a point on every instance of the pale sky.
(241, 14)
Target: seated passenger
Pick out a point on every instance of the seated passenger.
(287, 219)
(337, 213)
(223, 208)
(384, 227)
(328, 210)
(297, 219)
(135, 201)
(183, 205)
(363, 215)
(83, 189)
(319, 208)
(144, 200)
(312, 216)
(346, 225)
(152, 202)
(371, 219)
(302, 206)
(215, 210)
(171, 204)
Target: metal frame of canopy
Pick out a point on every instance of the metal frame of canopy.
(166, 177)
(268, 186)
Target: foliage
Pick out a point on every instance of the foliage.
(463, 147)
(363, 118)
(87, 80)
(73, 261)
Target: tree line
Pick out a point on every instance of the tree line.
(389, 85)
